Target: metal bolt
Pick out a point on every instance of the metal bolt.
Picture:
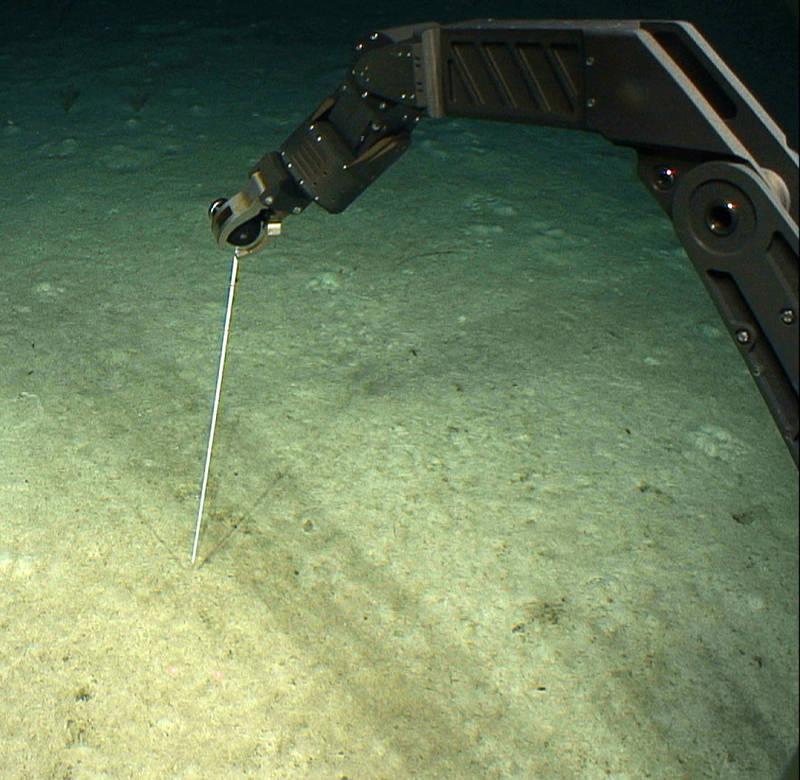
(722, 218)
(591, 103)
(665, 177)
(743, 336)
(788, 316)
(590, 61)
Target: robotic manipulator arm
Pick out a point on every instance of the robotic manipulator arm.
(707, 152)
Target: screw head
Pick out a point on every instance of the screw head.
(743, 336)
(722, 217)
(788, 316)
(665, 177)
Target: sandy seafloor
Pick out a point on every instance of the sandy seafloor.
(493, 495)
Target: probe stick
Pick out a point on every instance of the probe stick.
(222, 353)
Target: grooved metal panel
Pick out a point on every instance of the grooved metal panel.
(513, 78)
